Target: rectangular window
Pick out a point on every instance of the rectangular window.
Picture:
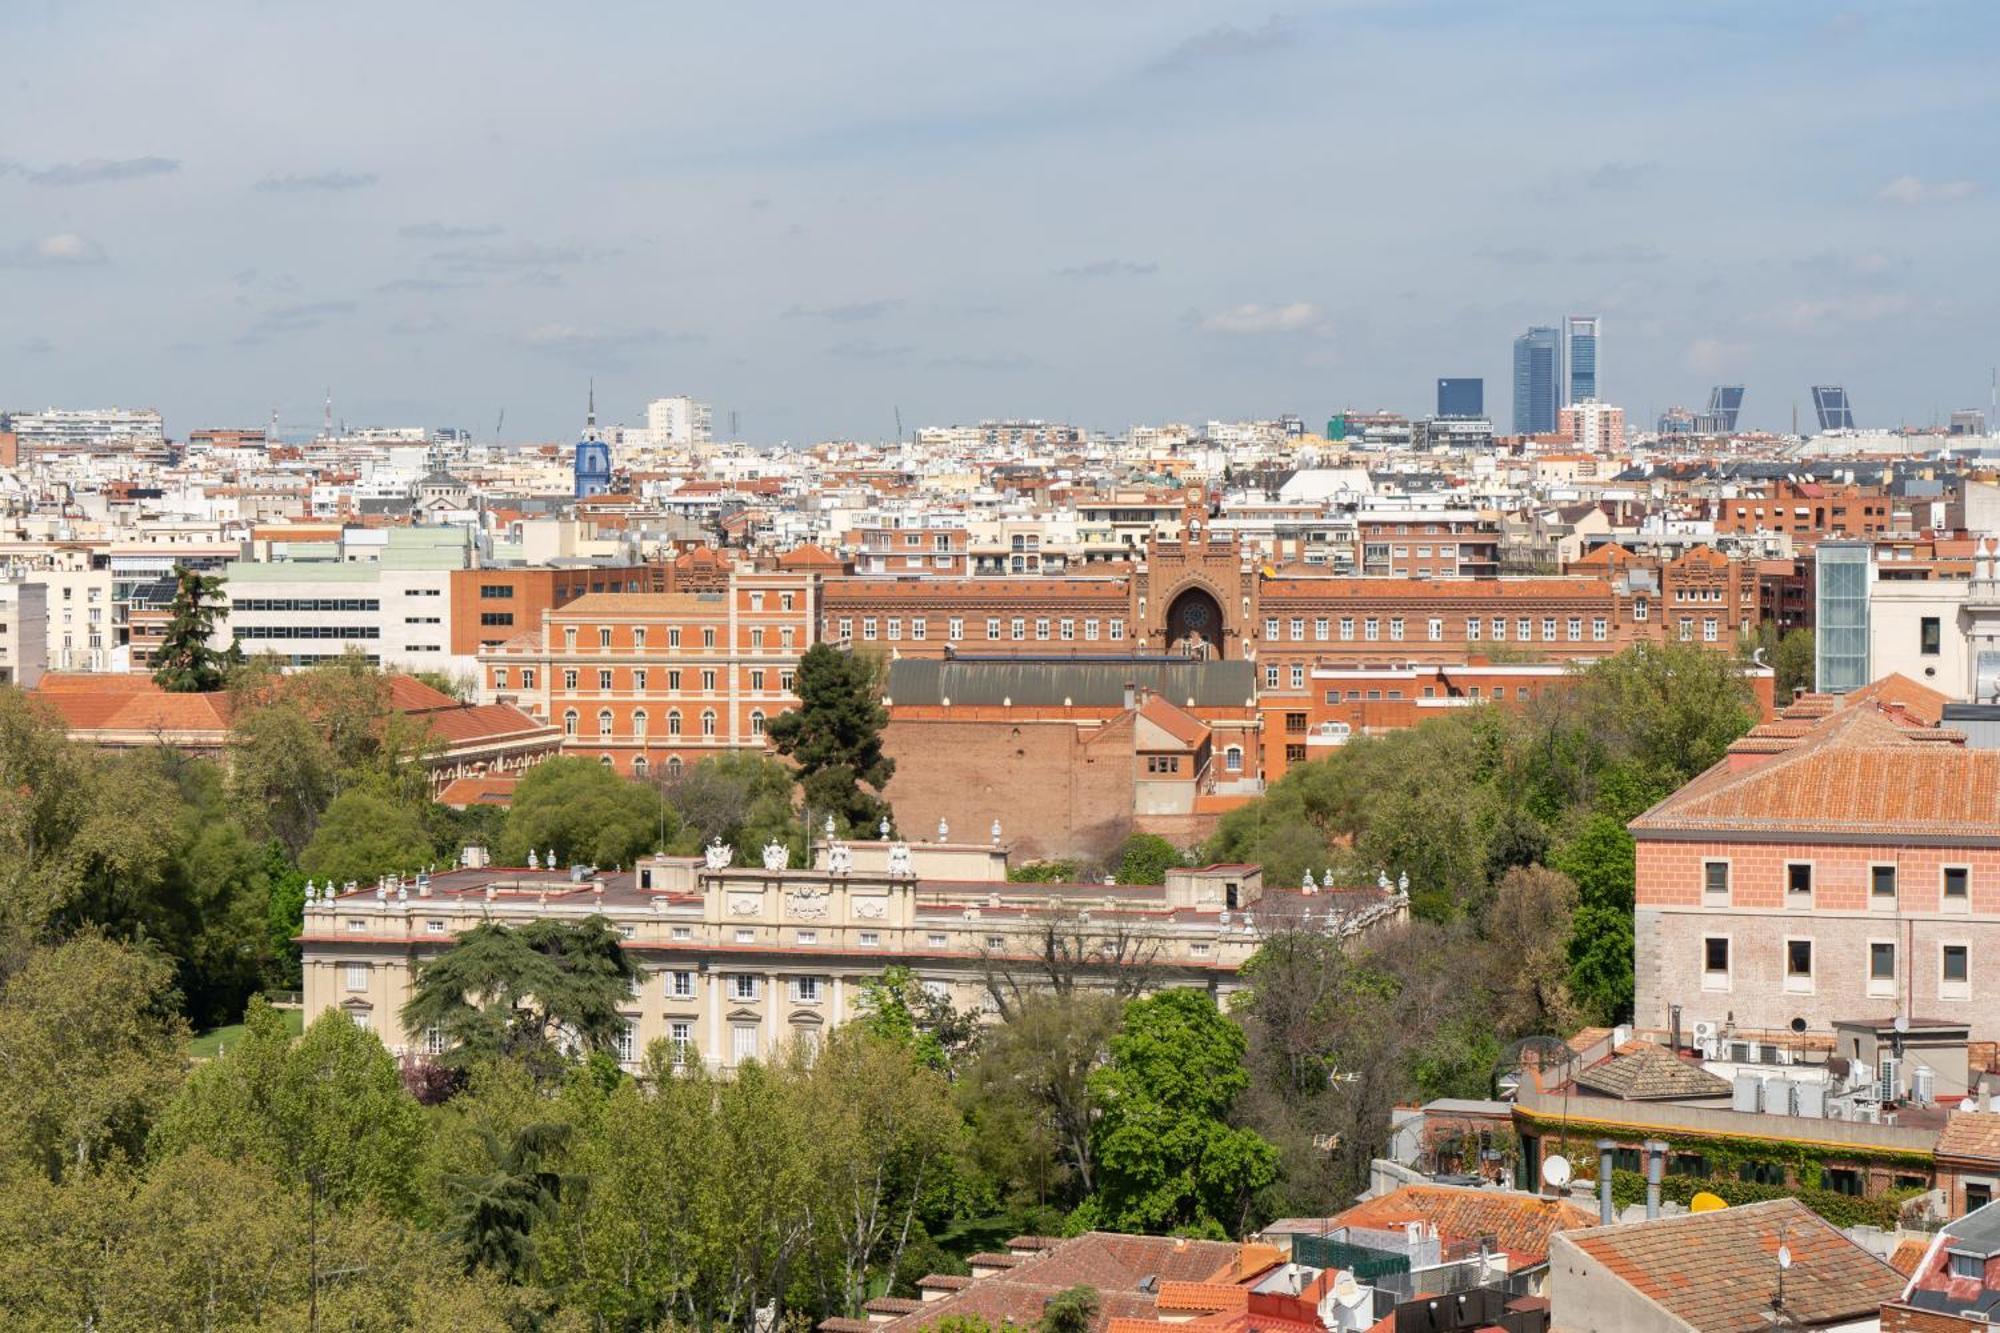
(1548, 629)
(1090, 631)
(494, 591)
(1715, 957)
(805, 990)
(1436, 629)
(1882, 884)
(1954, 970)
(895, 627)
(1322, 628)
(680, 985)
(1575, 628)
(868, 628)
(1270, 627)
(627, 1042)
(1957, 886)
(1798, 884)
(1117, 630)
(434, 927)
(1298, 628)
(1298, 677)
(496, 617)
(1347, 628)
(1017, 628)
(1472, 628)
(742, 1042)
(746, 936)
(1042, 629)
(934, 940)
(742, 986)
(1600, 629)
(357, 926)
(1930, 639)
(955, 629)
(604, 680)
(870, 938)
(357, 976)
(920, 628)
(604, 638)
(1881, 961)
(683, 932)
(681, 1035)
(1271, 676)
(1715, 879)
(1798, 960)
(993, 628)
(1396, 629)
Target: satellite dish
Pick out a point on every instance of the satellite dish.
(1784, 1256)
(1555, 1171)
(1902, 1023)
(1347, 1291)
(1704, 1202)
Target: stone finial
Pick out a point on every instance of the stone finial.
(996, 832)
(534, 861)
(1308, 886)
(944, 830)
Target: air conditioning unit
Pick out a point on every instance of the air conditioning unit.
(1784, 1054)
(1889, 1087)
(1705, 1034)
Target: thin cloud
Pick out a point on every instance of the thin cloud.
(300, 318)
(1109, 268)
(446, 231)
(516, 256)
(606, 348)
(1616, 175)
(864, 350)
(1911, 190)
(1254, 320)
(1829, 313)
(321, 181)
(95, 170)
(1714, 356)
(993, 363)
(849, 312)
(1513, 254)
(424, 286)
(420, 326)
(1631, 252)
(1227, 41)
(65, 249)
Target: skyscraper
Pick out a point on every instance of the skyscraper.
(1461, 397)
(1537, 380)
(1582, 331)
(1831, 405)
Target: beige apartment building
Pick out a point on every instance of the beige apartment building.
(741, 961)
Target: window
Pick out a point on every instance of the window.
(1270, 627)
(1708, 629)
(1954, 972)
(868, 628)
(1298, 676)
(1090, 631)
(1295, 754)
(1968, 1266)
(1524, 629)
(1575, 628)
(639, 681)
(627, 1042)
(1436, 629)
(604, 680)
(870, 938)
(1798, 962)
(1929, 637)
(1715, 879)
(742, 986)
(1232, 759)
(805, 990)
(357, 926)
(361, 1019)
(756, 722)
(569, 678)
(1600, 629)
(681, 1034)
(1347, 628)
(1977, 1196)
(1715, 959)
(742, 1042)
(1271, 676)
(1017, 628)
(604, 637)
(1117, 630)
(746, 936)
(955, 629)
(1321, 628)
(992, 629)
(1298, 628)
(683, 933)
(1881, 961)
(1798, 884)
(1472, 628)
(919, 627)
(1957, 887)
(708, 722)
(494, 591)
(1042, 628)
(1841, 1180)
(708, 680)
(434, 927)
(604, 722)
(569, 722)
(527, 678)
(895, 627)
(680, 985)
(934, 940)
(496, 617)
(673, 722)
(1761, 1173)
(638, 636)
(569, 638)
(846, 628)
(357, 976)
(708, 638)
(1396, 628)
(1882, 884)
(1548, 629)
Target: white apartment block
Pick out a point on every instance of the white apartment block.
(679, 420)
(24, 625)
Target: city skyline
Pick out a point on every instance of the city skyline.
(981, 218)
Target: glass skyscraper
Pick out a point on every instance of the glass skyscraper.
(1461, 397)
(1582, 331)
(1537, 380)
(1841, 572)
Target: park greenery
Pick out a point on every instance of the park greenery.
(521, 1179)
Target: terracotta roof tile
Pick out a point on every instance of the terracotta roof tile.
(1520, 1224)
(1972, 1136)
(1643, 1071)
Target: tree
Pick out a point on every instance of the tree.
(494, 1213)
(1527, 934)
(1029, 1098)
(835, 737)
(327, 1113)
(1602, 861)
(1168, 1158)
(184, 663)
(1072, 1311)
(90, 1048)
(1600, 958)
(364, 836)
(1145, 858)
(741, 797)
(525, 991)
(898, 1008)
(582, 811)
(1789, 654)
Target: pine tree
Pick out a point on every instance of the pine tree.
(185, 663)
(835, 737)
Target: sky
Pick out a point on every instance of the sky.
(1098, 211)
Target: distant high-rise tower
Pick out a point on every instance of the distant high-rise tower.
(1461, 397)
(1582, 331)
(1537, 380)
(593, 455)
(1724, 402)
(1830, 402)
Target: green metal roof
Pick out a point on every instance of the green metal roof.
(1084, 682)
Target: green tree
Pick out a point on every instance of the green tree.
(494, 1213)
(898, 1008)
(1029, 1099)
(1602, 861)
(742, 797)
(1145, 858)
(524, 990)
(91, 1048)
(583, 811)
(1168, 1158)
(1526, 932)
(184, 663)
(1072, 1311)
(1600, 955)
(1789, 654)
(835, 737)
(326, 1113)
(364, 835)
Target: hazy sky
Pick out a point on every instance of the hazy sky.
(1107, 212)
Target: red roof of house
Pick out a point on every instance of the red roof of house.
(1520, 1224)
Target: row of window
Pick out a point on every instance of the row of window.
(308, 631)
(606, 723)
(1954, 884)
(640, 677)
(1495, 627)
(305, 604)
(1064, 630)
(1954, 966)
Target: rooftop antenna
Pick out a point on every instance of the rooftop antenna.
(590, 419)
(327, 429)
(899, 423)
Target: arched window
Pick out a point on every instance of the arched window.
(639, 766)
(605, 760)
(604, 722)
(1232, 759)
(708, 722)
(639, 724)
(674, 722)
(757, 722)
(673, 765)
(569, 723)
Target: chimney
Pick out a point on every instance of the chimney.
(1605, 1214)
(1656, 1163)
(1131, 695)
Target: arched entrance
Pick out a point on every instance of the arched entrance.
(1194, 624)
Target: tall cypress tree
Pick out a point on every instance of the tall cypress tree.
(185, 663)
(835, 737)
